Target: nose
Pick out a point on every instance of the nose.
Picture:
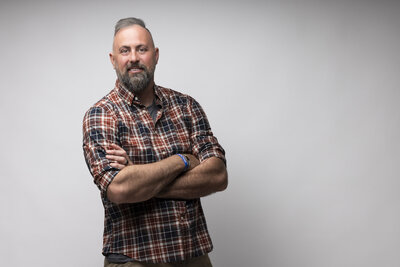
(134, 57)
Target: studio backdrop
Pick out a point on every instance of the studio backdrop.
(303, 95)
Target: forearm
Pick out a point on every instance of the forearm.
(138, 183)
(207, 178)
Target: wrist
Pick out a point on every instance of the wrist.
(185, 160)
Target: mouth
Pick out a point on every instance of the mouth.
(134, 69)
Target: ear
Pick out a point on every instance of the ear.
(112, 59)
(157, 53)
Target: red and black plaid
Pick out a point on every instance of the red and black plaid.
(156, 230)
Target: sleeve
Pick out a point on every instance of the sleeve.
(99, 131)
(205, 144)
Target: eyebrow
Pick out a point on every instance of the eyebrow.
(136, 47)
(124, 46)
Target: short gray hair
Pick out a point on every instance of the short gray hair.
(126, 22)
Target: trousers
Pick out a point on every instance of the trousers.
(202, 261)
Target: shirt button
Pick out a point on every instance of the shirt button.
(183, 217)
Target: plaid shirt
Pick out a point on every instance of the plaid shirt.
(156, 230)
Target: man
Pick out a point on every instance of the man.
(152, 154)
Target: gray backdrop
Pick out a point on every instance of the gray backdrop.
(304, 96)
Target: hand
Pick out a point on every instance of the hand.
(193, 161)
(118, 157)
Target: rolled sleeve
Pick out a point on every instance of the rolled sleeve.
(99, 132)
(205, 144)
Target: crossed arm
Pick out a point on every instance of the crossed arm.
(164, 179)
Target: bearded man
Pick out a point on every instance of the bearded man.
(152, 155)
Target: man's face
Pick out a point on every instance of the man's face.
(134, 58)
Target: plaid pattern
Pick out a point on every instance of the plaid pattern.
(156, 230)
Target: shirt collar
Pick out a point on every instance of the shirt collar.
(126, 95)
(130, 98)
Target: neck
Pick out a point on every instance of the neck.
(147, 96)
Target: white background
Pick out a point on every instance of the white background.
(303, 95)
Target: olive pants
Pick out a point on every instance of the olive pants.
(202, 261)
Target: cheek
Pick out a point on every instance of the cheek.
(150, 62)
(121, 67)
(121, 62)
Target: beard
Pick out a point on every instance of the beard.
(138, 82)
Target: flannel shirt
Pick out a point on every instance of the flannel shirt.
(156, 230)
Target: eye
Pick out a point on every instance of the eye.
(124, 50)
(142, 50)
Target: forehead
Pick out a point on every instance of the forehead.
(132, 36)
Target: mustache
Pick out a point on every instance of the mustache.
(135, 66)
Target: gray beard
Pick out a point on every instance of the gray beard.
(137, 83)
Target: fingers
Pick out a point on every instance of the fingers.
(118, 162)
(117, 147)
(118, 157)
(116, 150)
(117, 165)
